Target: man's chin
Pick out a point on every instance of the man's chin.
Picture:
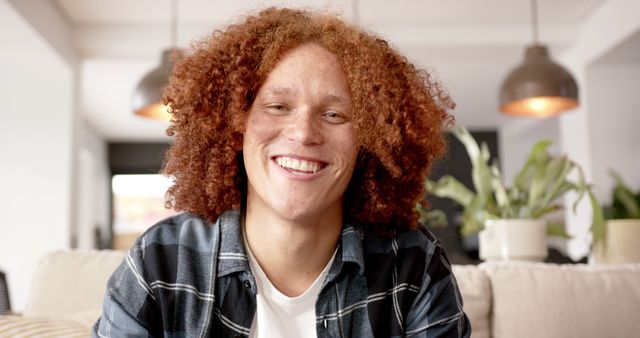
(301, 212)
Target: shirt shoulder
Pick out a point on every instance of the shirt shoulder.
(419, 240)
(177, 248)
(403, 258)
(183, 230)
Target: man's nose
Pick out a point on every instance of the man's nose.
(304, 128)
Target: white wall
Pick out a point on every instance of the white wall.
(469, 75)
(614, 111)
(55, 183)
(36, 91)
(94, 185)
(609, 26)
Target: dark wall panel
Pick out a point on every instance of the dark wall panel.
(136, 158)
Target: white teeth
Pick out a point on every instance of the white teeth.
(306, 166)
(298, 165)
(295, 164)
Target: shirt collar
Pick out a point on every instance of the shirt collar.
(352, 250)
(233, 257)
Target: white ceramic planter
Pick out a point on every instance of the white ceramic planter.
(513, 239)
(621, 243)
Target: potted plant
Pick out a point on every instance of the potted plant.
(509, 219)
(620, 241)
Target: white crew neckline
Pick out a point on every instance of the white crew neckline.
(272, 290)
(278, 315)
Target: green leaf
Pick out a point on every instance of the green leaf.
(624, 195)
(558, 182)
(557, 229)
(598, 226)
(449, 187)
(523, 178)
(608, 212)
(485, 155)
(431, 217)
(480, 173)
(628, 201)
(544, 170)
(502, 197)
(473, 217)
(546, 210)
(581, 187)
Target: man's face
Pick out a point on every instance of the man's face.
(299, 144)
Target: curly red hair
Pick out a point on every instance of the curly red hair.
(399, 114)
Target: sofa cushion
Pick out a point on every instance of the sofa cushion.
(86, 318)
(476, 294)
(70, 282)
(546, 300)
(22, 327)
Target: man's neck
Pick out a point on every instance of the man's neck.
(292, 254)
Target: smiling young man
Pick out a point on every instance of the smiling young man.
(299, 154)
(301, 148)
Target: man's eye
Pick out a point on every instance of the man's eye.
(334, 117)
(277, 108)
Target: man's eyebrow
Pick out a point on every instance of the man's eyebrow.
(279, 91)
(336, 99)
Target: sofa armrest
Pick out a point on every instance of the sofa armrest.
(476, 295)
(71, 282)
(548, 300)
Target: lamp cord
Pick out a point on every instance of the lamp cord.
(534, 21)
(174, 23)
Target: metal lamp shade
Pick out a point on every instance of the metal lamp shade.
(539, 87)
(147, 98)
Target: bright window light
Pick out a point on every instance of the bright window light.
(138, 202)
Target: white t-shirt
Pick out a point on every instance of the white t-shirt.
(278, 315)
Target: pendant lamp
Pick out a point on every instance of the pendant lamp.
(147, 97)
(538, 87)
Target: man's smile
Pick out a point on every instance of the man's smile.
(298, 165)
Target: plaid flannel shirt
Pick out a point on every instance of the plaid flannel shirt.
(188, 278)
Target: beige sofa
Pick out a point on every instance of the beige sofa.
(65, 297)
(502, 300)
(544, 300)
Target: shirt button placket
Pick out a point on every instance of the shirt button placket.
(324, 331)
